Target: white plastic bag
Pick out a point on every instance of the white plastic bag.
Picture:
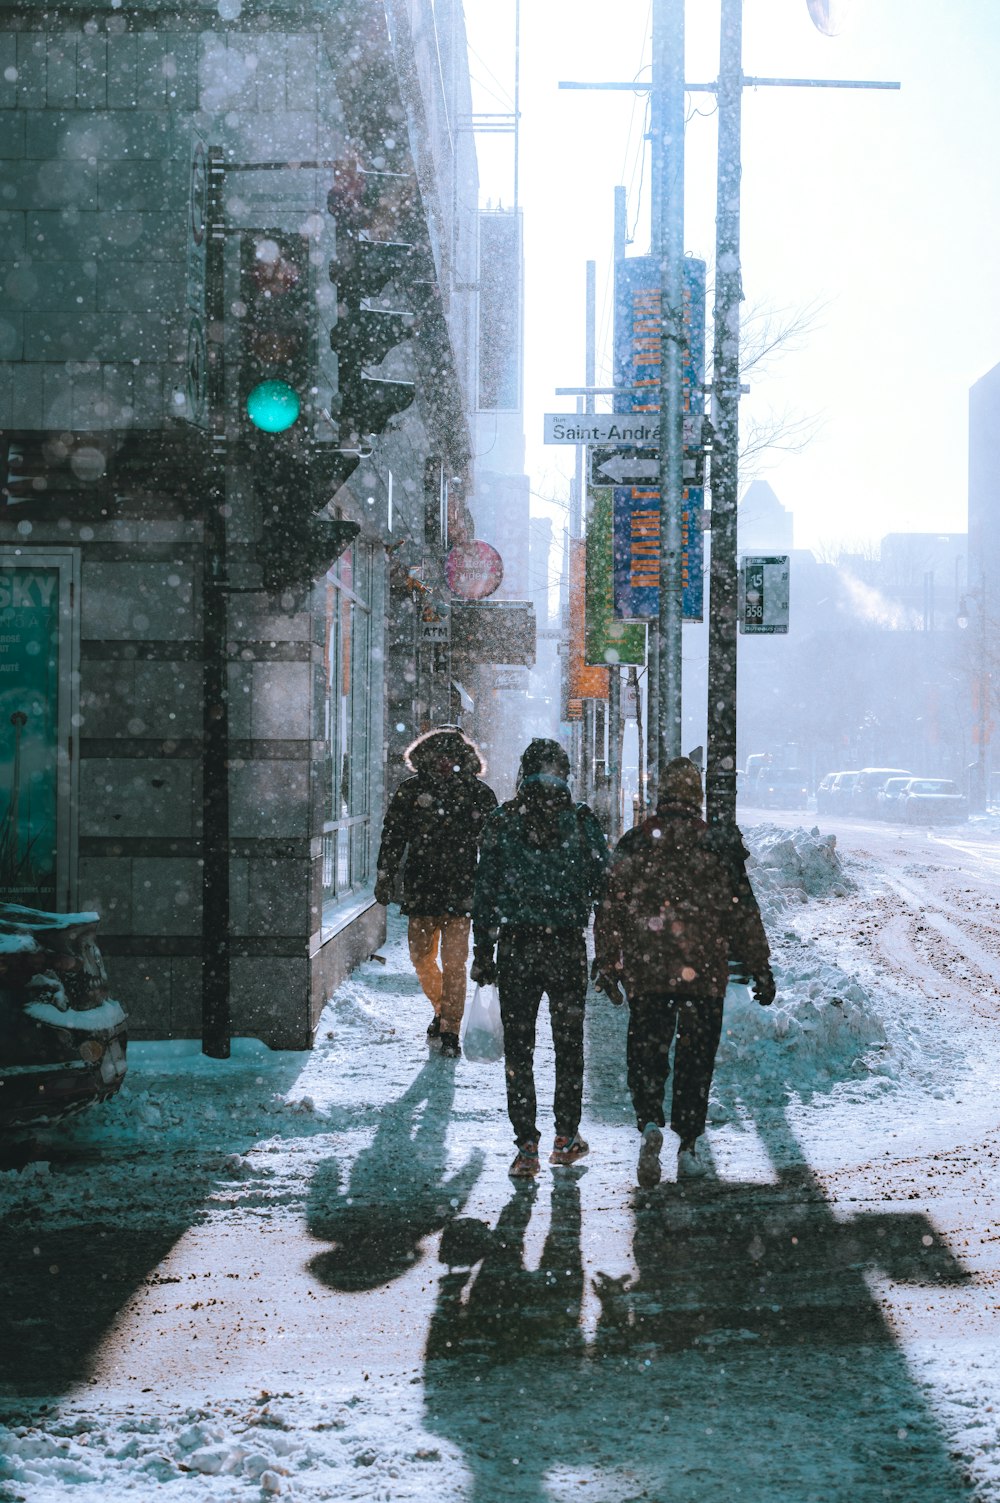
(482, 1030)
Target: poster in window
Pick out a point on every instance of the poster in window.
(30, 632)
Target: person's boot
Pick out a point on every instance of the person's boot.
(525, 1165)
(434, 1029)
(566, 1150)
(450, 1047)
(689, 1165)
(649, 1171)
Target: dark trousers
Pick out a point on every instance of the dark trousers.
(651, 1025)
(531, 962)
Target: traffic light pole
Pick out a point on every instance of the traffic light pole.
(215, 1004)
(668, 246)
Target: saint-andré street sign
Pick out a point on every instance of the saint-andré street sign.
(616, 429)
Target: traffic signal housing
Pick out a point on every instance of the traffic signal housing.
(294, 477)
(377, 220)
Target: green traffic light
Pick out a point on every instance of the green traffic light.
(273, 406)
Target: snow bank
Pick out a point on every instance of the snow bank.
(274, 1445)
(794, 866)
(823, 1022)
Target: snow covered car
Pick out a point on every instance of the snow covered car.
(869, 784)
(838, 796)
(888, 805)
(62, 1037)
(782, 788)
(926, 799)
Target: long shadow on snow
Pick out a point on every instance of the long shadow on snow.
(746, 1356)
(63, 1287)
(399, 1190)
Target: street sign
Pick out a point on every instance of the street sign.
(617, 429)
(764, 595)
(434, 627)
(639, 467)
(623, 466)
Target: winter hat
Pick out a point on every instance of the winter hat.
(544, 756)
(681, 783)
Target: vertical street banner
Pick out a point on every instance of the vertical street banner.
(583, 682)
(636, 509)
(34, 728)
(608, 641)
(636, 557)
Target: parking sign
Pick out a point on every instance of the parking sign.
(764, 595)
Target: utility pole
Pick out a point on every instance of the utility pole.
(615, 736)
(589, 757)
(720, 776)
(667, 122)
(723, 622)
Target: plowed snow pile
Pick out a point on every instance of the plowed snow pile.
(823, 1021)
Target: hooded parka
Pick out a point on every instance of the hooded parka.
(434, 823)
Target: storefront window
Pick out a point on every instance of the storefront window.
(351, 702)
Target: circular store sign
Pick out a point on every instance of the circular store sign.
(473, 570)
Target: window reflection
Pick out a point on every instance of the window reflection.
(349, 700)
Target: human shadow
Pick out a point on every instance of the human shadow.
(745, 1355)
(399, 1191)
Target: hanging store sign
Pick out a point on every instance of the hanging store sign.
(473, 570)
(494, 631)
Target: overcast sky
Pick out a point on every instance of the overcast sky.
(882, 207)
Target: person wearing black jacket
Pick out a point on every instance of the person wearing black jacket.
(678, 908)
(431, 834)
(542, 869)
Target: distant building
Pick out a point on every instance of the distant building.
(984, 477)
(763, 524)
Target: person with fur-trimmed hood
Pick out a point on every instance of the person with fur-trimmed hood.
(678, 908)
(431, 834)
(541, 871)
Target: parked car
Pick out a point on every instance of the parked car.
(870, 782)
(931, 799)
(840, 792)
(782, 788)
(889, 806)
(62, 1037)
(824, 793)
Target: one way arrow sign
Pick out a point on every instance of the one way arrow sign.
(623, 466)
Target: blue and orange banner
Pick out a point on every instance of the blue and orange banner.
(636, 546)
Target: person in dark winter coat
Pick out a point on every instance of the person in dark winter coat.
(431, 832)
(678, 908)
(541, 869)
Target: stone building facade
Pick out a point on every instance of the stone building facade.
(193, 728)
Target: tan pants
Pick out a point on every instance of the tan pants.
(444, 986)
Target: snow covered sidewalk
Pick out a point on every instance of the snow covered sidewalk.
(310, 1275)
